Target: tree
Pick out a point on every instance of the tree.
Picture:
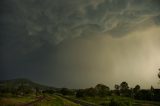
(80, 93)
(116, 87)
(124, 86)
(66, 91)
(116, 91)
(136, 89)
(91, 92)
(124, 89)
(22, 90)
(102, 90)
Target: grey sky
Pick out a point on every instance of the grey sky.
(79, 43)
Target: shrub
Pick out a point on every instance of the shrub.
(115, 102)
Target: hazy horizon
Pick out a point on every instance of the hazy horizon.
(81, 43)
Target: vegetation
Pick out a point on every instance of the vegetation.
(102, 90)
(11, 101)
(26, 91)
(66, 91)
(55, 101)
(115, 102)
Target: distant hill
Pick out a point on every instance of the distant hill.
(15, 83)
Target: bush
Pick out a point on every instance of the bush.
(66, 91)
(80, 93)
(115, 102)
(104, 104)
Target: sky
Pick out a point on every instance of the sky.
(80, 43)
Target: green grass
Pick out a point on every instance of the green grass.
(122, 101)
(11, 101)
(150, 103)
(54, 100)
(49, 100)
(106, 100)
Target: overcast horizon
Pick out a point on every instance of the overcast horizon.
(81, 43)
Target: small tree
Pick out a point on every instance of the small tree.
(124, 88)
(136, 89)
(116, 87)
(116, 91)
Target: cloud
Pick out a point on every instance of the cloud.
(55, 20)
(32, 31)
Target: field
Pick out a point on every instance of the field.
(55, 100)
(48, 100)
(5, 101)
(123, 101)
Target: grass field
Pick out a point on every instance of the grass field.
(122, 100)
(54, 100)
(51, 100)
(11, 101)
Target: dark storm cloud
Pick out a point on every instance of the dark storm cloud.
(57, 20)
(32, 30)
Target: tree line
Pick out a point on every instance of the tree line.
(123, 89)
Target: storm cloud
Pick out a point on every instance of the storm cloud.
(59, 41)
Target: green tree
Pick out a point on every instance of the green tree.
(80, 93)
(124, 89)
(124, 86)
(66, 91)
(102, 90)
(136, 89)
(116, 91)
(116, 87)
(90, 92)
